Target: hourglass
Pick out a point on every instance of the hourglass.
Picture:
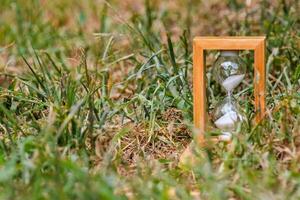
(229, 71)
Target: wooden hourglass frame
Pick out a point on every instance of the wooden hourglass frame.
(200, 46)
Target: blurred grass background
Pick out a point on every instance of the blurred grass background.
(96, 100)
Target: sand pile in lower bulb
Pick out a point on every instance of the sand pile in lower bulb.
(227, 121)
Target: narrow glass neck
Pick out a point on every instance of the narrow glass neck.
(230, 97)
(229, 94)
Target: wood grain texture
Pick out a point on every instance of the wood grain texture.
(229, 43)
(199, 90)
(200, 45)
(259, 81)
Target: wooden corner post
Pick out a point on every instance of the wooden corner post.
(200, 45)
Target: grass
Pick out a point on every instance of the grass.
(96, 101)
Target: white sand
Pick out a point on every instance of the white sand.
(232, 81)
(227, 121)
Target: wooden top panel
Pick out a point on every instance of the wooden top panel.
(229, 42)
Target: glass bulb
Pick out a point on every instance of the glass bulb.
(227, 116)
(229, 70)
